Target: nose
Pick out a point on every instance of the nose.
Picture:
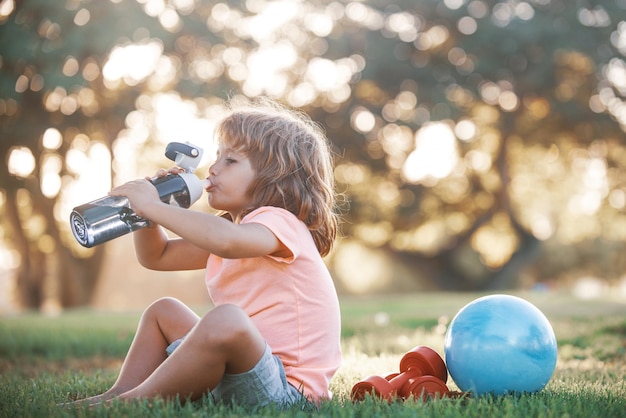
(212, 169)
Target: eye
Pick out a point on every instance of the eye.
(230, 160)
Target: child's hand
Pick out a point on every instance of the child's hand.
(163, 172)
(140, 194)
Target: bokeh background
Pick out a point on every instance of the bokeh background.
(480, 145)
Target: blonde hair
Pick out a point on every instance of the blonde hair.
(291, 157)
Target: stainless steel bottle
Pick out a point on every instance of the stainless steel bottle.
(110, 217)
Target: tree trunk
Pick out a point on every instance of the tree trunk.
(74, 278)
(30, 273)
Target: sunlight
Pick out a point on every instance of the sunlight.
(432, 38)
(6, 8)
(132, 63)
(327, 75)
(428, 238)
(401, 107)
(350, 173)
(465, 130)
(82, 17)
(9, 260)
(52, 139)
(594, 186)
(396, 141)
(70, 67)
(302, 95)
(76, 157)
(266, 69)
(222, 16)
(374, 234)
(363, 120)
(618, 38)
(185, 6)
(405, 24)
(508, 101)
(435, 153)
(273, 16)
(164, 117)
(598, 17)
(490, 92)
(453, 4)
(320, 24)
(479, 161)
(21, 162)
(467, 25)
(542, 227)
(50, 178)
(177, 119)
(616, 74)
(365, 15)
(617, 199)
(271, 68)
(170, 20)
(99, 166)
(92, 164)
(495, 242)
(361, 269)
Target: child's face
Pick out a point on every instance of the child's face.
(230, 176)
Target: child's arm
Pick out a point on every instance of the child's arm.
(214, 234)
(156, 251)
(207, 232)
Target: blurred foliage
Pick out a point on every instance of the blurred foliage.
(480, 143)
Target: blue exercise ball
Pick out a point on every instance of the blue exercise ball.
(500, 344)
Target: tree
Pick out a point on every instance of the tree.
(470, 133)
(51, 79)
(63, 75)
(513, 79)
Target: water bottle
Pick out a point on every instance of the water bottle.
(110, 217)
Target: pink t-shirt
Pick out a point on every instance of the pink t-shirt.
(292, 301)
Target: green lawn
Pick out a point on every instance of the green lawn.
(46, 360)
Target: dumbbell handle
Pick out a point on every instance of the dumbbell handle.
(397, 381)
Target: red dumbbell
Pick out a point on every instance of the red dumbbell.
(419, 386)
(424, 388)
(386, 388)
(419, 362)
(427, 361)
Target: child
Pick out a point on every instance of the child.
(274, 333)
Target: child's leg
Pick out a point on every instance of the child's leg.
(224, 341)
(163, 322)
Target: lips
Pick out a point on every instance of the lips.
(208, 186)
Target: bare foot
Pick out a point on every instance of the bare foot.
(91, 401)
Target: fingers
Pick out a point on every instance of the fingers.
(163, 172)
(129, 187)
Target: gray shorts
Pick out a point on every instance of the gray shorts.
(265, 383)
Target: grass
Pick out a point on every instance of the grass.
(46, 360)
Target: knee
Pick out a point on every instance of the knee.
(160, 307)
(227, 324)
